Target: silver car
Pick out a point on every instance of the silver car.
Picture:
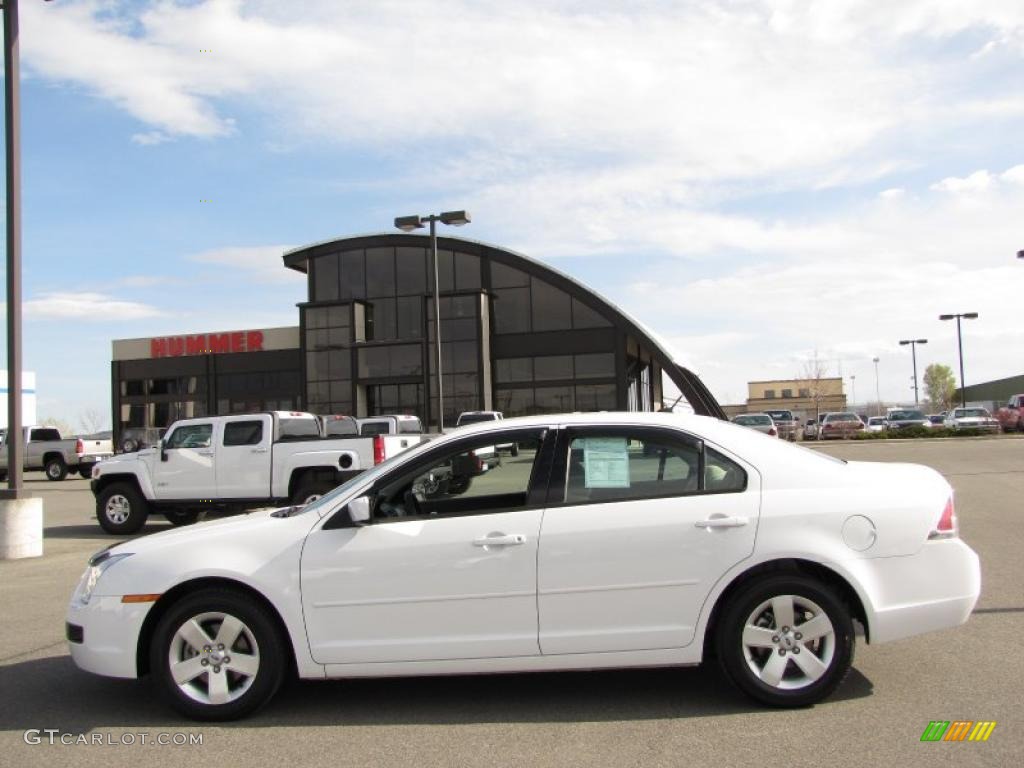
(762, 422)
(972, 418)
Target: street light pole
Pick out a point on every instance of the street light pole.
(12, 125)
(878, 392)
(853, 391)
(960, 346)
(913, 356)
(408, 224)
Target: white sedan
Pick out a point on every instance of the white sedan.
(611, 540)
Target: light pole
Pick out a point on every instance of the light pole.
(853, 392)
(913, 356)
(408, 224)
(960, 345)
(878, 393)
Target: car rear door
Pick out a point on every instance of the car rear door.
(640, 524)
(243, 457)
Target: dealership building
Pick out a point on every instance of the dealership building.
(516, 336)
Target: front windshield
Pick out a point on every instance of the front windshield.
(780, 415)
(966, 413)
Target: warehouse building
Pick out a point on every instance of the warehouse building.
(516, 336)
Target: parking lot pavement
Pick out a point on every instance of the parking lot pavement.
(643, 718)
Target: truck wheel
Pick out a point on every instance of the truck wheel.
(515, 450)
(182, 516)
(86, 473)
(56, 469)
(121, 509)
(310, 490)
(129, 445)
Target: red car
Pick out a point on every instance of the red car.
(1011, 415)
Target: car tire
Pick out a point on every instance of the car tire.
(121, 509)
(129, 445)
(55, 469)
(310, 490)
(768, 657)
(515, 450)
(86, 473)
(181, 516)
(217, 654)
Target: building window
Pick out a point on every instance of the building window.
(769, 394)
(787, 393)
(804, 392)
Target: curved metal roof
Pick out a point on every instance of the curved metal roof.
(693, 389)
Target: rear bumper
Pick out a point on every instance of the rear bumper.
(937, 588)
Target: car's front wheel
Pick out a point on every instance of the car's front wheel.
(217, 655)
(121, 509)
(56, 469)
(786, 641)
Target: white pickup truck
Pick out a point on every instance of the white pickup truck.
(224, 462)
(45, 449)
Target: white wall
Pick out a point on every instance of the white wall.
(28, 400)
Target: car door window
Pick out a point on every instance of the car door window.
(243, 433)
(191, 436)
(614, 467)
(475, 478)
(722, 475)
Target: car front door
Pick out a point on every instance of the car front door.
(447, 566)
(185, 467)
(642, 524)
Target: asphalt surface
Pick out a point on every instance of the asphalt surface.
(657, 717)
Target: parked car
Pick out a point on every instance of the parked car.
(46, 450)
(936, 419)
(811, 427)
(901, 418)
(756, 552)
(394, 424)
(972, 418)
(1011, 415)
(760, 422)
(786, 423)
(232, 462)
(876, 424)
(840, 425)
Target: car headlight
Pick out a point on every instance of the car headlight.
(98, 565)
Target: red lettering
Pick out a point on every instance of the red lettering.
(158, 347)
(196, 345)
(237, 341)
(219, 342)
(176, 346)
(254, 341)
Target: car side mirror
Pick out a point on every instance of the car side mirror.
(163, 451)
(359, 510)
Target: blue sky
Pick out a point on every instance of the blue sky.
(755, 181)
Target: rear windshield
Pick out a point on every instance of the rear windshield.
(475, 418)
(906, 416)
(374, 428)
(410, 426)
(334, 427)
(297, 429)
(964, 413)
(754, 421)
(45, 434)
(843, 417)
(781, 415)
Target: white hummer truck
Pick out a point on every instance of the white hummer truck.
(225, 462)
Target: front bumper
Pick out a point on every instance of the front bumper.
(937, 588)
(110, 635)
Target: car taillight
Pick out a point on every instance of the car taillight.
(948, 526)
(378, 449)
(772, 431)
(79, 447)
(827, 426)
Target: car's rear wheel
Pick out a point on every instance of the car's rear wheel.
(310, 490)
(181, 516)
(56, 469)
(217, 655)
(786, 641)
(121, 509)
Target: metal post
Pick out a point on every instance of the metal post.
(853, 391)
(437, 325)
(913, 357)
(12, 120)
(878, 392)
(960, 344)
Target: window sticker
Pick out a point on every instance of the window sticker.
(605, 462)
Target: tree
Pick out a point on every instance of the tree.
(810, 378)
(939, 386)
(62, 426)
(92, 421)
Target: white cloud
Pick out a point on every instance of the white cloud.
(150, 138)
(259, 263)
(88, 307)
(978, 181)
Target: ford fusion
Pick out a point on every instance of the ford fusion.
(607, 540)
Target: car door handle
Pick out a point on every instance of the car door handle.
(500, 540)
(259, 450)
(722, 522)
(204, 453)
